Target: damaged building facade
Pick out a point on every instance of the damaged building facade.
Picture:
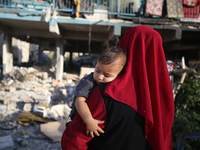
(51, 27)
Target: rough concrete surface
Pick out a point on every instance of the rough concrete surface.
(20, 92)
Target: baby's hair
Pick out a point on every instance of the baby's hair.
(113, 54)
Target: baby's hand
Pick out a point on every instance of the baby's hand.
(92, 127)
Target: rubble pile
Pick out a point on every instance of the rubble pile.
(33, 108)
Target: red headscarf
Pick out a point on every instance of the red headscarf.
(145, 85)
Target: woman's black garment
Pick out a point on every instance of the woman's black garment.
(125, 129)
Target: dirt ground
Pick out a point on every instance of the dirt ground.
(29, 138)
(32, 87)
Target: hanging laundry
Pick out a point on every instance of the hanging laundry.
(191, 2)
(192, 12)
(154, 7)
(174, 9)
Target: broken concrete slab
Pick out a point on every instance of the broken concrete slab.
(36, 88)
(57, 112)
(6, 142)
(2, 109)
(53, 130)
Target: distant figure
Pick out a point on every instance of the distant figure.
(76, 8)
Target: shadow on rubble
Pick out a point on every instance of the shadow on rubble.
(33, 101)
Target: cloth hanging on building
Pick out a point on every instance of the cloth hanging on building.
(154, 7)
(174, 9)
(192, 12)
(191, 2)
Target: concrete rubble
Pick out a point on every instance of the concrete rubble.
(30, 100)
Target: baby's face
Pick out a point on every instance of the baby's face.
(106, 73)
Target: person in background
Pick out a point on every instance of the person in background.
(109, 65)
(76, 4)
(137, 107)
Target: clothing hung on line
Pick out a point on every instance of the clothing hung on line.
(191, 2)
(154, 7)
(192, 12)
(174, 8)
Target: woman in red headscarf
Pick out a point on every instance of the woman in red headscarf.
(137, 107)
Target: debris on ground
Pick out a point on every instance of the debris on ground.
(34, 108)
(6, 142)
(53, 130)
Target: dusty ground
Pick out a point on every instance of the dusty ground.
(31, 140)
(35, 86)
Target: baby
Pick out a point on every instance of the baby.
(110, 64)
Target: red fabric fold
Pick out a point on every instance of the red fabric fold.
(145, 85)
(74, 136)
